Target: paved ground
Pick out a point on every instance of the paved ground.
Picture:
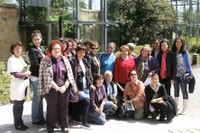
(189, 123)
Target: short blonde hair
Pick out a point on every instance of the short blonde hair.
(107, 73)
(124, 47)
(147, 47)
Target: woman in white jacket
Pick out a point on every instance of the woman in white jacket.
(19, 82)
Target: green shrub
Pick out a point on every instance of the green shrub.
(4, 84)
(195, 49)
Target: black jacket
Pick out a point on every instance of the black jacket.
(95, 68)
(172, 106)
(35, 57)
(78, 73)
(171, 64)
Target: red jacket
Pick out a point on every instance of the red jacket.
(122, 68)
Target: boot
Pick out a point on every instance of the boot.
(185, 104)
(176, 99)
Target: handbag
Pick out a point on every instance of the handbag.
(192, 83)
(126, 111)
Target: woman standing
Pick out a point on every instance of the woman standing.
(156, 47)
(19, 83)
(167, 61)
(93, 59)
(134, 93)
(107, 58)
(36, 53)
(183, 72)
(146, 65)
(123, 65)
(55, 79)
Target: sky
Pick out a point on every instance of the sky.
(95, 4)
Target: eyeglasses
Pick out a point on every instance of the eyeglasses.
(133, 74)
(94, 48)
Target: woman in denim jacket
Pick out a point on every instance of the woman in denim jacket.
(183, 71)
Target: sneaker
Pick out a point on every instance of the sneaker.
(65, 130)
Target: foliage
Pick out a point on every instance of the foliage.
(4, 84)
(143, 19)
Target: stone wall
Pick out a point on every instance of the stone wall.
(9, 29)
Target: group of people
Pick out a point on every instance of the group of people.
(78, 82)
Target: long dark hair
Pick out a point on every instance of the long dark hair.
(174, 48)
(167, 41)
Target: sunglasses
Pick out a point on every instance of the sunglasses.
(133, 74)
(94, 48)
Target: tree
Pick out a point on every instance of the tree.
(143, 19)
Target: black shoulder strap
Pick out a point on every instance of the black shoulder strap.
(106, 86)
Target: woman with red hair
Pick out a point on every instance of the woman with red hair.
(55, 79)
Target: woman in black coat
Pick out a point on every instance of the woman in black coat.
(157, 100)
(36, 53)
(167, 62)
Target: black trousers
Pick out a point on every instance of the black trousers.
(167, 84)
(57, 108)
(17, 112)
(161, 109)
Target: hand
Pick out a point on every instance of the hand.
(171, 82)
(153, 101)
(150, 74)
(115, 107)
(101, 108)
(62, 89)
(27, 73)
(103, 114)
(92, 87)
(67, 83)
(191, 77)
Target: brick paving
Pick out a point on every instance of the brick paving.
(189, 123)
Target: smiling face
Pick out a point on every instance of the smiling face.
(17, 51)
(37, 40)
(133, 75)
(56, 51)
(164, 46)
(156, 45)
(155, 79)
(94, 49)
(179, 44)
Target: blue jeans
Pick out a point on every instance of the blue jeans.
(84, 94)
(17, 112)
(37, 104)
(178, 83)
(95, 117)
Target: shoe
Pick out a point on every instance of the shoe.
(85, 125)
(77, 119)
(65, 130)
(25, 126)
(21, 127)
(50, 130)
(57, 125)
(41, 122)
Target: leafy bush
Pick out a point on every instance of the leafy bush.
(4, 84)
(195, 49)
